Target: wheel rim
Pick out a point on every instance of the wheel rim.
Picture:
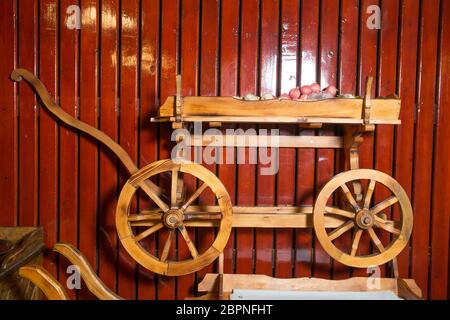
(172, 217)
(362, 217)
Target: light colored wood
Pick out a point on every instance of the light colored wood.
(367, 108)
(399, 239)
(266, 141)
(381, 109)
(19, 74)
(274, 119)
(262, 282)
(92, 281)
(41, 278)
(163, 265)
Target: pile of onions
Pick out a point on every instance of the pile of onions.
(309, 92)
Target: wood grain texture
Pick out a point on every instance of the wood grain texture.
(244, 46)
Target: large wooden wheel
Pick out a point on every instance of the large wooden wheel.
(362, 218)
(172, 218)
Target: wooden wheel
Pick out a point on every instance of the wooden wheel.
(363, 218)
(172, 218)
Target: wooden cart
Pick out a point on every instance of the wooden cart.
(345, 203)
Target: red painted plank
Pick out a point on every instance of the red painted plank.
(208, 87)
(68, 156)
(367, 66)
(285, 194)
(404, 149)
(88, 148)
(8, 112)
(169, 69)
(48, 133)
(246, 172)
(439, 280)
(264, 238)
(423, 158)
(128, 121)
(387, 79)
(348, 60)
(148, 134)
(228, 87)
(190, 24)
(108, 182)
(28, 125)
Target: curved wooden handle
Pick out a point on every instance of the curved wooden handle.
(93, 282)
(18, 74)
(40, 277)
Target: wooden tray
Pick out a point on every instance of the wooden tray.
(230, 109)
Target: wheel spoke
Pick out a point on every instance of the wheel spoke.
(148, 232)
(343, 228)
(387, 225)
(174, 189)
(355, 241)
(146, 215)
(156, 199)
(376, 240)
(167, 245)
(339, 212)
(196, 194)
(384, 204)
(369, 194)
(350, 197)
(202, 216)
(189, 243)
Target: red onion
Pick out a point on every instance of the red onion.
(315, 87)
(294, 93)
(306, 90)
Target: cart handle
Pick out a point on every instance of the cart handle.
(19, 74)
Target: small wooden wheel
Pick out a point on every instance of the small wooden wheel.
(173, 218)
(364, 218)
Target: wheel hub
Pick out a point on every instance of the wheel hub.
(364, 219)
(173, 218)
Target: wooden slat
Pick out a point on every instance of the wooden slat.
(248, 83)
(190, 57)
(405, 133)
(387, 84)
(168, 70)
(281, 141)
(48, 133)
(228, 86)
(108, 182)
(439, 280)
(88, 148)
(28, 125)
(347, 64)
(265, 185)
(423, 158)
(68, 152)
(128, 122)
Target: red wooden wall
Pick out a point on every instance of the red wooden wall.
(114, 72)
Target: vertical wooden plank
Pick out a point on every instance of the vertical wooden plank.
(169, 70)
(89, 50)
(439, 280)
(404, 134)
(387, 84)
(48, 128)
(229, 45)
(68, 156)
(423, 146)
(264, 238)
(148, 134)
(348, 60)
(8, 112)
(367, 66)
(190, 26)
(28, 125)
(285, 194)
(128, 120)
(108, 178)
(309, 19)
(248, 73)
